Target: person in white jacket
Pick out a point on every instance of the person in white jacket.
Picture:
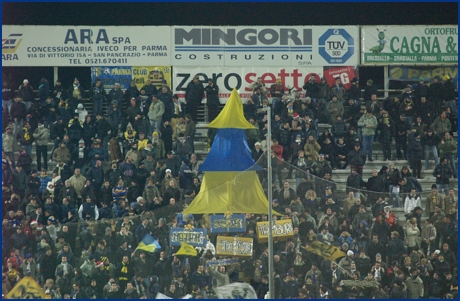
(413, 238)
(82, 113)
(412, 201)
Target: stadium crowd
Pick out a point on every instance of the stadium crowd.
(74, 225)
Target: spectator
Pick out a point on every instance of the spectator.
(194, 96)
(369, 123)
(25, 91)
(443, 173)
(41, 135)
(339, 91)
(213, 102)
(448, 149)
(334, 108)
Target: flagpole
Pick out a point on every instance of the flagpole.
(271, 284)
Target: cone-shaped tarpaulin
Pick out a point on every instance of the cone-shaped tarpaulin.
(229, 152)
(232, 115)
(235, 192)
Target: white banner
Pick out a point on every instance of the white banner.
(409, 45)
(162, 296)
(265, 45)
(236, 291)
(85, 45)
(227, 78)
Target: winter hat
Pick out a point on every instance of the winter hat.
(98, 264)
(437, 252)
(28, 256)
(295, 115)
(81, 141)
(80, 106)
(421, 79)
(445, 77)
(25, 81)
(51, 219)
(350, 252)
(370, 81)
(108, 229)
(168, 170)
(139, 198)
(33, 223)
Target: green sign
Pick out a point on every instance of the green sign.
(409, 44)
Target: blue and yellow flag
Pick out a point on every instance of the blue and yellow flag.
(187, 250)
(148, 244)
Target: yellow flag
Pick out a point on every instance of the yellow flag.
(327, 251)
(27, 288)
(186, 249)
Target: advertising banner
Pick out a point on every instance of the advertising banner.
(346, 74)
(412, 74)
(242, 77)
(196, 238)
(390, 45)
(282, 230)
(222, 224)
(234, 246)
(79, 46)
(286, 46)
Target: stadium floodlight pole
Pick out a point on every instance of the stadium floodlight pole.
(271, 284)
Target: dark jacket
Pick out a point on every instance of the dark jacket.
(415, 150)
(445, 173)
(194, 92)
(212, 95)
(357, 158)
